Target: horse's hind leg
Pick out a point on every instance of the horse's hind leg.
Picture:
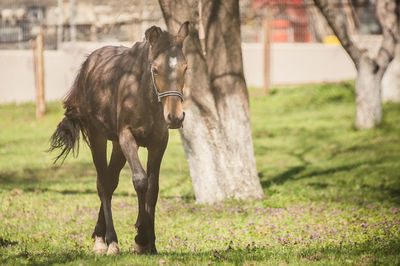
(107, 181)
(117, 162)
(99, 234)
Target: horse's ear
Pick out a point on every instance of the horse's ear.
(183, 32)
(152, 34)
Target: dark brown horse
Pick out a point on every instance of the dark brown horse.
(130, 96)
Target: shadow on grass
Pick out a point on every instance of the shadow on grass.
(283, 177)
(47, 258)
(383, 192)
(293, 172)
(40, 179)
(41, 175)
(6, 242)
(73, 191)
(334, 170)
(30, 189)
(368, 252)
(293, 253)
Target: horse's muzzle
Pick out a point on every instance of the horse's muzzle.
(174, 121)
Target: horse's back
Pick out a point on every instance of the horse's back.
(104, 57)
(104, 77)
(94, 91)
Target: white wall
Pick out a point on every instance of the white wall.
(17, 83)
(298, 63)
(290, 64)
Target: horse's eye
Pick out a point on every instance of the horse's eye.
(155, 72)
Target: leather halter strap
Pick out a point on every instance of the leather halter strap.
(161, 95)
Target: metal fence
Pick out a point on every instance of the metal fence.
(19, 23)
(74, 20)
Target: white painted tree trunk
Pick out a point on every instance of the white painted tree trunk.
(370, 71)
(221, 157)
(216, 135)
(368, 100)
(390, 91)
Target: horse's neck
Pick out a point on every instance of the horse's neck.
(148, 86)
(141, 50)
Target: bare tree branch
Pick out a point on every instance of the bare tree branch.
(349, 17)
(388, 18)
(330, 12)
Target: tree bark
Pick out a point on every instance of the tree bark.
(368, 99)
(370, 70)
(216, 135)
(391, 80)
(317, 22)
(331, 11)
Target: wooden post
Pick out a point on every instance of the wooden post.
(266, 23)
(38, 62)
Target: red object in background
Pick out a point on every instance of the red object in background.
(281, 30)
(298, 16)
(293, 27)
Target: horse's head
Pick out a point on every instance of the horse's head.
(168, 66)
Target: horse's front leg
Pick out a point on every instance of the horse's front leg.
(140, 181)
(155, 155)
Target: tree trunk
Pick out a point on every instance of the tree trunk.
(370, 71)
(367, 88)
(391, 80)
(216, 135)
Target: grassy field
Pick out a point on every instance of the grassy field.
(333, 193)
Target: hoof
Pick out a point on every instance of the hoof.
(113, 249)
(100, 247)
(148, 249)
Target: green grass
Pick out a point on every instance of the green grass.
(333, 193)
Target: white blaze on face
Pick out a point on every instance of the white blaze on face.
(172, 62)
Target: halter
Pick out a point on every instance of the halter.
(161, 95)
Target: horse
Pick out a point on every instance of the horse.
(131, 97)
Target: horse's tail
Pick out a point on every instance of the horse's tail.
(67, 135)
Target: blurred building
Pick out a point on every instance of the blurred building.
(125, 20)
(93, 20)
